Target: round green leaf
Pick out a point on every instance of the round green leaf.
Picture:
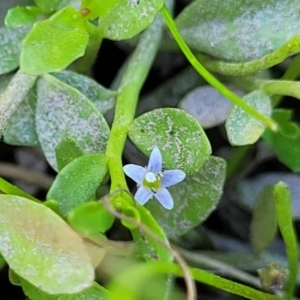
(243, 129)
(63, 111)
(179, 137)
(91, 217)
(40, 247)
(53, 44)
(239, 30)
(128, 18)
(78, 181)
(194, 199)
(48, 6)
(21, 15)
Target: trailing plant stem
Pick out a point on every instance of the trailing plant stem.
(210, 78)
(132, 81)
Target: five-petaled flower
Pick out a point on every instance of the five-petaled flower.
(152, 181)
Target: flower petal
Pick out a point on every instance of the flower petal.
(143, 195)
(171, 177)
(164, 198)
(135, 172)
(155, 161)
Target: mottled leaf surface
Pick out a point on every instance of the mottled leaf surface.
(194, 199)
(10, 47)
(102, 98)
(63, 111)
(239, 30)
(243, 129)
(179, 137)
(129, 17)
(40, 247)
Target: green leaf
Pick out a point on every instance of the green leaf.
(286, 127)
(48, 6)
(89, 218)
(10, 41)
(101, 97)
(66, 151)
(243, 129)
(286, 149)
(239, 30)
(95, 292)
(194, 199)
(40, 247)
(8, 188)
(63, 111)
(21, 15)
(20, 130)
(148, 246)
(128, 18)
(6, 5)
(98, 7)
(78, 181)
(178, 136)
(53, 44)
(264, 223)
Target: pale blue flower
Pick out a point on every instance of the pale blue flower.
(152, 181)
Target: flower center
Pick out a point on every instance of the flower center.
(152, 181)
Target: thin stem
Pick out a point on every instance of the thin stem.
(130, 86)
(210, 78)
(13, 95)
(282, 88)
(284, 214)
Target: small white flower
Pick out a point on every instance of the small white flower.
(152, 181)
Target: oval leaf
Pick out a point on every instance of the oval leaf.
(239, 30)
(128, 18)
(10, 41)
(21, 15)
(178, 135)
(101, 97)
(78, 181)
(242, 129)
(62, 112)
(40, 247)
(53, 44)
(194, 199)
(207, 105)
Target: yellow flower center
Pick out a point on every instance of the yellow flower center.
(152, 181)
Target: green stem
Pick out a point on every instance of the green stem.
(132, 81)
(123, 285)
(281, 87)
(284, 214)
(210, 78)
(13, 95)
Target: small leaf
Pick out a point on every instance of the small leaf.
(91, 217)
(128, 18)
(48, 6)
(207, 105)
(239, 30)
(21, 15)
(40, 247)
(194, 199)
(95, 292)
(66, 151)
(10, 41)
(264, 223)
(53, 44)
(243, 129)
(286, 149)
(98, 7)
(63, 111)
(20, 130)
(178, 136)
(78, 181)
(101, 97)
